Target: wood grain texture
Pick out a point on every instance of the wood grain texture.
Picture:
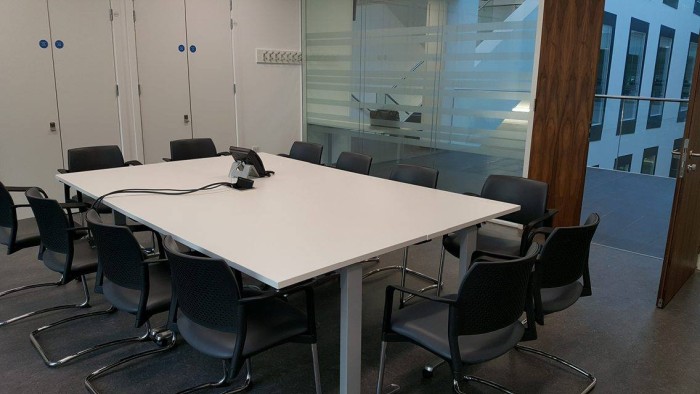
(570, 44)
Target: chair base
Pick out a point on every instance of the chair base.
(84, 304)
(565, 363)
(225, 380)
(163, 338)
(471, 378)
(57, 363)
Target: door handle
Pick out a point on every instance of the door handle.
(676, 152)
(187, 119)
(693, 154)
(692, 167)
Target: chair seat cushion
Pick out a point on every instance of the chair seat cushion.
(491, 237)
(426, 323)
(84, 260)
(270, 322)
(159, 294)
(555, 299)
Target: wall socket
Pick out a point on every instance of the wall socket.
(275, 56)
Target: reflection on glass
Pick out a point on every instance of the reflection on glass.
(658, 86)
(649, 160)
(688, 76)
(632, 77)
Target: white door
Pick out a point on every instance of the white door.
(161, 50)
(30, 151)
(86, 87)
(210, 54)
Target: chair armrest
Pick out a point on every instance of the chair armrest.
(62, 171)
(417, 293)
(283, 154)
(542, 219)
(74, 205)
(17, 188)
(491, 256)
(223, 153)
(74, 229)
(167, 159)
(154, 261)
(542, 230)
(21, 206)
(389, 303)
(266, 295)
(133, 163)
(471, 194)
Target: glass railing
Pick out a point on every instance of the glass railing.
(637, 134)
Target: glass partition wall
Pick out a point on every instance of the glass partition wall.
(439, 83)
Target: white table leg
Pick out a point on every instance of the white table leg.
(350, 329)
(467, 246)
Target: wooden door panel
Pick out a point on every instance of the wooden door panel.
(163, 76)
(30, 152)
(210, 59)
(86, 85)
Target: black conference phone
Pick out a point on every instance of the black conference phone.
(249, 156)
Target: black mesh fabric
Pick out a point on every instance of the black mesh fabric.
(8, 218)
(530, 194)
(94, 158)
(492, 295)
(192, 148)
(118, 252)
(565, 253)
(354, 162)
(306, 151)
(415, 175)
(207, 290)
(52, 222)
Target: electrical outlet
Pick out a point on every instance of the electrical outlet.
(274, 56)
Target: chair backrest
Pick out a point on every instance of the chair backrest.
(415, 175)
(565, 253)
(8, 217)
(118, 252)
(354, 162)
(52, 222)
(192, 148)
(94, 158)
(492, 295)
(207, 290)
(530, 194)
(306, 151)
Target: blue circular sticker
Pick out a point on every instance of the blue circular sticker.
(181, 48)
(44, 44)
(59, 44)
(193, 48)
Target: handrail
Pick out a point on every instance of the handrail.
(640, 98)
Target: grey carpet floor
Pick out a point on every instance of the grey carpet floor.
(617, 334)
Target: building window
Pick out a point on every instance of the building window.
(671, 3)
(696, 8)
(659, 83)
(623, 163)
(688, 76)
(603, 75)
(675, 159)
(632, 78)
(649, 160)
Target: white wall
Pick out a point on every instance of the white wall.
(268, 96)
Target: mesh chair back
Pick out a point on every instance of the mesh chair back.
(94, 158)
(530, 194)
(52, 222)
(565, 253)
(415, 175)
(207, 290)
(306, 151)
(192, 148)
(354, 162)
(492, 295)
(8, 217)
(118, 252)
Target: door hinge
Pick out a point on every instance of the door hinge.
(139, 89)
(117, 90)
(230, 5)
(234, 88)
(660, 303)
(134, 15)
(111, 15)
(231, 23)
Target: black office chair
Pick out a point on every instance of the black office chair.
(15, 234)
(132, 284)
(354, 162)
(530, 194)
(230, 327)
(91, 158)
(420, 176)
(193, 148)
(562, 276)
(479, 323)
(62, 250)
(305, 151)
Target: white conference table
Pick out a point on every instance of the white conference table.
(304, 221)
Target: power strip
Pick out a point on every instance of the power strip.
(274, 56)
